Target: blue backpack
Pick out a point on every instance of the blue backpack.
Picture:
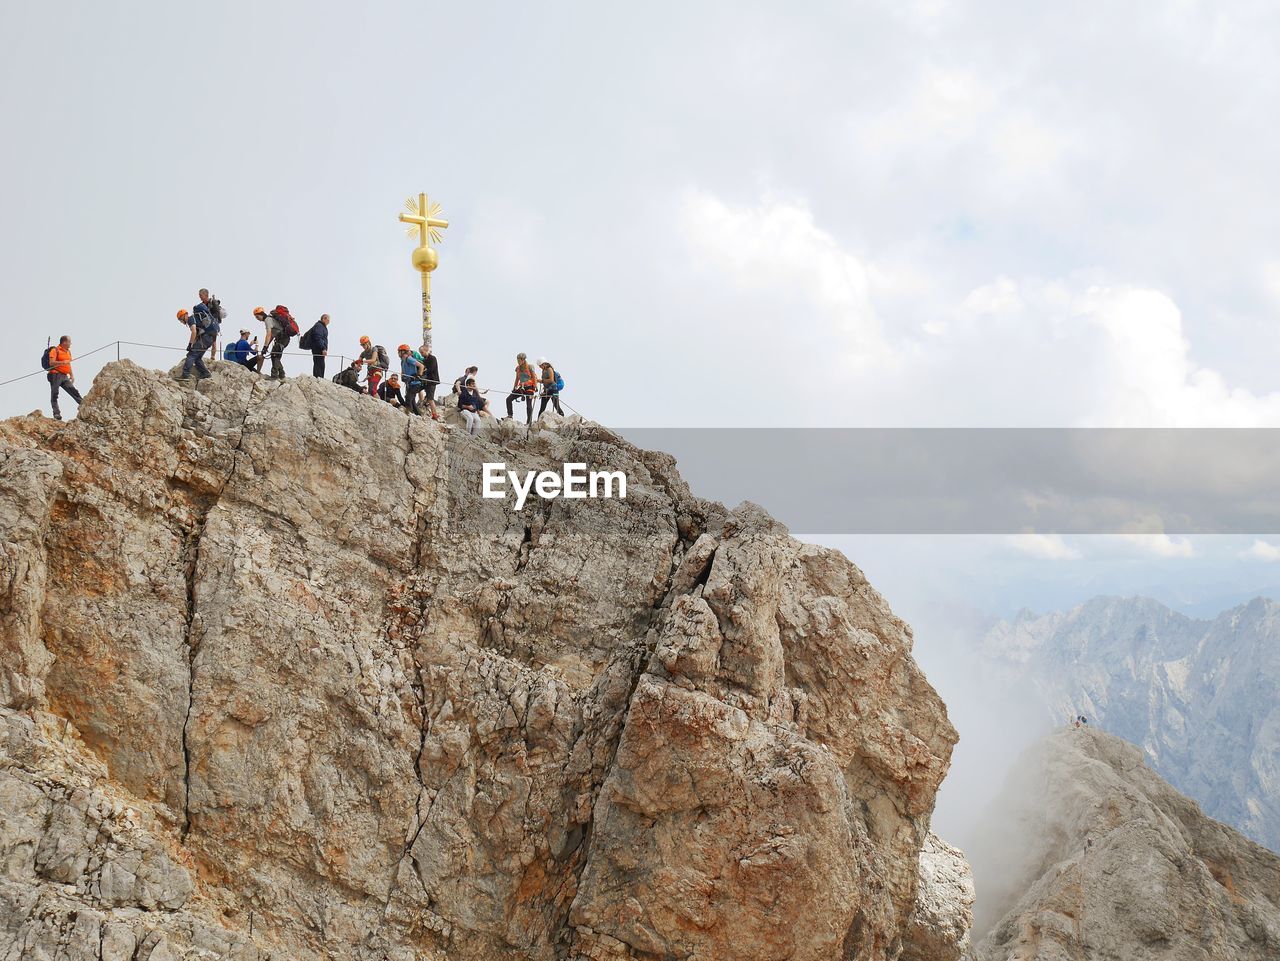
(44, 357)
(229, 352)
(559, 382)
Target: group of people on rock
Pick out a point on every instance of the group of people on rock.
(412, 388)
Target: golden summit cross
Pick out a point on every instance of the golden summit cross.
(424, 220)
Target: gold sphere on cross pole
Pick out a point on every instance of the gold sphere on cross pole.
(425, 259)
(424, 222)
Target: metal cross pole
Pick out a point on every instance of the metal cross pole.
(424, 220)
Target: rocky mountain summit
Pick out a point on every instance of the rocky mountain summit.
(276, 682)
(1200, 697)
(1103, 860)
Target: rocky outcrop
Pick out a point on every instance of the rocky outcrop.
(278, 683)
(940, 925)
(1200, 697)
(1104, 860)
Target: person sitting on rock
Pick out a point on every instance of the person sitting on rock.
(472, 405)
(244, 352)
(351, 376)
(389, 390)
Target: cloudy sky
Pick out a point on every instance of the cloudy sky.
(892, 214)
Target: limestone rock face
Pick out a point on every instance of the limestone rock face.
(1108, 862)
(940, 925)
(278, 683)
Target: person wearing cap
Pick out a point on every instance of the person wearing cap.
(350, 377)
(411, 374)
(243, 352)
(550, 392)
(260, 314)
(389, 390)
(375, 369)
(523, 389)
(198, 341)
(60, 377)
(280, 338)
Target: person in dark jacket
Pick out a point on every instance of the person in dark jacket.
(203, 330)
(430, 379)
(472, 405)
(389, 390)
(351, 376)
(318, 341)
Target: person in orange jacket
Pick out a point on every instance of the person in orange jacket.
(60, 376)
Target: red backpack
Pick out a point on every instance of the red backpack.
(287, 323)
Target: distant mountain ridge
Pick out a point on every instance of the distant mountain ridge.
(1200, 696)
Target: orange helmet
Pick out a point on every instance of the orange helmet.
(183, 315)
(365, 340)
(403, 347)
(258, 310)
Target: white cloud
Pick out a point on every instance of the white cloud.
(1161, 545)
(776, 245)
(1261, 551)
(1046, 547)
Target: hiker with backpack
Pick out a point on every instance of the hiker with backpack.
(204, 332)
(471, 405)
(243, 352)
(283, 328)
(316, 340)
(209, 312)
(411, 373)
(57, 361)
(524, 388)
(350, 377)
(376, 363)
(552, 384)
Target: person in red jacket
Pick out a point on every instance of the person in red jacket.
(60, 376)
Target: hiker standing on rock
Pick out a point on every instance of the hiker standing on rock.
(283, 328)
(551, 387)
(204, 331)
(411, 373)
(260, 315)
(523, 389)
(430, 378)
(58, 361)
(316, 340)
(376, 362)
(209, 312)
